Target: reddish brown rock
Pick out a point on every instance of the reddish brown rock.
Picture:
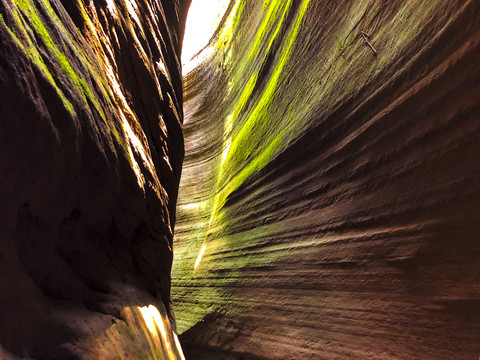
(333, 190)
(91, 149)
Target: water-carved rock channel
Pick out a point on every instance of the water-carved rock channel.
(308, 189)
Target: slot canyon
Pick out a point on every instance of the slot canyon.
(306, 186)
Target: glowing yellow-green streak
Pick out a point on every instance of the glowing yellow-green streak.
(246, 93)
(85, 62)
(79, 82)
(257, 114)
(31, 51)
(28, 8)
(271, 87)
(248, 90)
(226, 34)
(199, 257)
(232, 141)
(271, 12)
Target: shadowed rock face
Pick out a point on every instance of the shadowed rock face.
(331, 185)
(90, 156)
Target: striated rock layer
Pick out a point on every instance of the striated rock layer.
(90, 156)
(330, 192)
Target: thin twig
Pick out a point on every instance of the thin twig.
(365, 38)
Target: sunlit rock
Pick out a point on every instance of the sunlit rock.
(329, 198)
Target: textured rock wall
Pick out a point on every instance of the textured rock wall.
(90, 156)
(330, 192)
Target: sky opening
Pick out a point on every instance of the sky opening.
(202, 21)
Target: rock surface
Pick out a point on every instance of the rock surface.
(329, 198)
(91, 149)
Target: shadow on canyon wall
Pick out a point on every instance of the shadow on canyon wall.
(91, 148)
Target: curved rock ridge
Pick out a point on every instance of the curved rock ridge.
(91, 148)
(329, 198)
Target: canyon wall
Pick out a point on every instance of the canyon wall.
(91, 148)
(329, 198)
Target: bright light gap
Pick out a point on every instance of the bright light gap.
(203, 19)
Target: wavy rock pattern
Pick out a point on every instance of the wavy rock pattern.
(330, 191)
(90, 156)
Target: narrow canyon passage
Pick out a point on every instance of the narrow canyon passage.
(329, 197)
(306, 187)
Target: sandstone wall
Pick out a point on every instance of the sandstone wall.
(91, 149)
(330, 193)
